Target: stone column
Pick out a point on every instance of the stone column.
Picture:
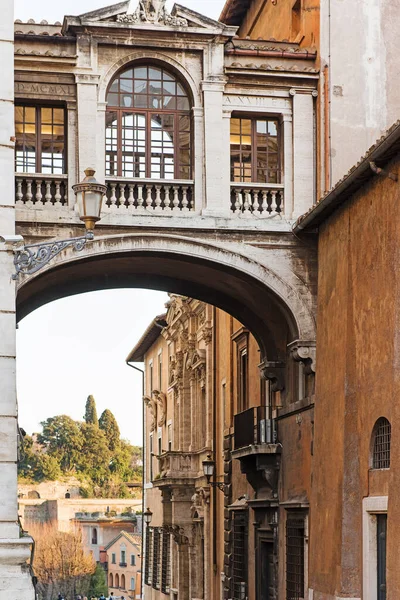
(72, 158)
(303, 150)
(217, 193)
(287, 122)
(15, 579)
(198, 159)
(87, 124)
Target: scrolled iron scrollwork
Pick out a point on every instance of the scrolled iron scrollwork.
(30, 259)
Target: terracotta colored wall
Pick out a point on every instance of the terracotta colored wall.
(357, 382)
(268, 20)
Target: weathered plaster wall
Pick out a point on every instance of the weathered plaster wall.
(357, 382)
(359, 45)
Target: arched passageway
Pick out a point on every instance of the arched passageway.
(273, 303)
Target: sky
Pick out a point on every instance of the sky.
(60, 360)
(53, 11)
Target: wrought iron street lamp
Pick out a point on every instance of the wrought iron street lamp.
(147, 516)
(89, 195)
(209, 471)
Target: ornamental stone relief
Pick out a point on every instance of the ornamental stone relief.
(153, 12)
(161, 400)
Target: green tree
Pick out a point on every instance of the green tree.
(94, 459)
(48, 468)
(28, 462)
(98, 583)
(91, 411)
(109, 425)
(62, 439)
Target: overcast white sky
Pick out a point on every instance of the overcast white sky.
(58, 363)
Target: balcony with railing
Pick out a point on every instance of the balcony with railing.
(257, 200)
(149, 196)
(255, 445)
(177, 468)
(39, 190)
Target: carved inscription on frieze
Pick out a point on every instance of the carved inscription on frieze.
(58, 90)
(256, 101)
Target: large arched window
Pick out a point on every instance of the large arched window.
(111, 580)
(123, 582)
(116, 580)
(148, 125)
(381, 438)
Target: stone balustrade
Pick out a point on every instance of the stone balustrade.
(38, 189)
(257, 200)
(177, 465)
(144, 196)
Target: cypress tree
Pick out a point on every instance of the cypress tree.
(109, 425)
(90, 411)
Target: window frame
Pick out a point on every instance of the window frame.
(254, 117)
(147, 114)
(297, 520)
(241, 339)
(38, 106)
(380, 456)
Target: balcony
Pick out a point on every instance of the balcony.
(146, 196)
(260, 200)
(38, 190)
(256, 448)
(177, 468)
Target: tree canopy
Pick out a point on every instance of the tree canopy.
(92, 452)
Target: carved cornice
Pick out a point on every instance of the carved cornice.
(304, 351)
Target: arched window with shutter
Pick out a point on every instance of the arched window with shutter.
(381, 438)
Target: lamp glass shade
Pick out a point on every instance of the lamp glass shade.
(208, 467)
(89, 195)
(147, 516)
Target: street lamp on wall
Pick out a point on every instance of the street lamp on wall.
(209, 472)
(89, 195)
(147, 516)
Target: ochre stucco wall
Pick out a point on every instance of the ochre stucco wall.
(357, 382)
(267, 20)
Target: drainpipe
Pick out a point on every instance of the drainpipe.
(141, 371)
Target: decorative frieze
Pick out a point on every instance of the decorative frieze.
(152, 12)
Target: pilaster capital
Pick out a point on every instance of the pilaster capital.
(198, 112)
(306, 90)
(87, 78)
(304, 351)
(217, 85)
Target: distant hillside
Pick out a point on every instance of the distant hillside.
(91, 450)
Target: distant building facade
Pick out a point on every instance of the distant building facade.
(206, 395)
(124, 565)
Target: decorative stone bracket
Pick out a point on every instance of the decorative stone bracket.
(274, 371)
(305, 352)
(161, 399)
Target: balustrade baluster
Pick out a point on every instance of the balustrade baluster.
(113, 197)
(48, 192)
(140, 199)
(264, 205)
(273, 201)
(157, 201)
(238, 202)
(185, 201)
(19, 194)
(248, 202)
(39, 195)
(175, 202)
(131, 199)
(29, 194)
(167, 199)
(57, 195)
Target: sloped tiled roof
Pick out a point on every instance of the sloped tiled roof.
(234, 11)
(381, 153)
(133, 538)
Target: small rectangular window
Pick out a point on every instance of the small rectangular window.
(239, 558)
(255, 150)
(148, 556)
(151, 452)
(40, 140)
(169, 437)
(123, 557)
(160, 371)
(166, 563)
(113, 558)
(133, 560)
(295, 540)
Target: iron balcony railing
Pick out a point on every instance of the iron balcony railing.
(253, 426)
